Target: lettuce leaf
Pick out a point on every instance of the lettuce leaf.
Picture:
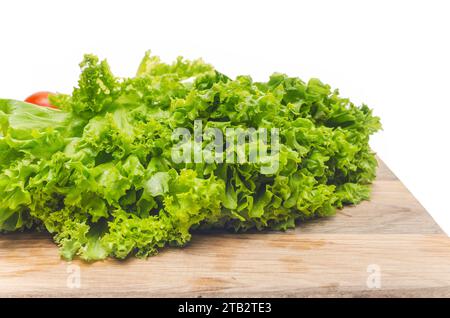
(98, 174)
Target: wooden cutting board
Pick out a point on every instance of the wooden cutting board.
(389, 246)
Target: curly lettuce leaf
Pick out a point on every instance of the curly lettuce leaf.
(98, 174)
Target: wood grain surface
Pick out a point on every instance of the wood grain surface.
(386, 247)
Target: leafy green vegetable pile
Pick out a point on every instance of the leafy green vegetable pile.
(98, 174)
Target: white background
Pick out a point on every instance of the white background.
(392, 55)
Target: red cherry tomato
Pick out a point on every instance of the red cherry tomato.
(40, 99)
